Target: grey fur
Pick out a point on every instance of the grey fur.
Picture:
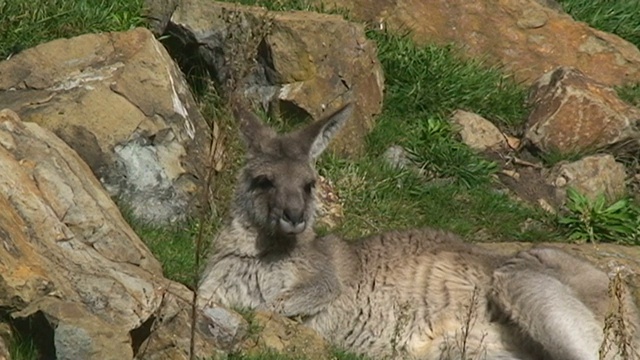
(416, 294)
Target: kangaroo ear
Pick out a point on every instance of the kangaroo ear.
(254, 131)
(319, 134)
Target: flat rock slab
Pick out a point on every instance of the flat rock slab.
(611, 258)
(120, 102)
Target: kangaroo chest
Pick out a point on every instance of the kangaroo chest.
(249, 282)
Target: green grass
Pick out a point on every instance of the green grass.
(22, 348)
(174, 247)
(630, 94)
(24, 24)
(28, 338)
(436, 80)
(377, 198)
(619, 17)
(435, 150)
(599, 221)
(554, 156)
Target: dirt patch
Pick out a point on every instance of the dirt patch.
(525, 178)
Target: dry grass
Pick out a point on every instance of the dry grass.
(618, 331)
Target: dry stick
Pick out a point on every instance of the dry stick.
(231, 87)
(469, 322)
(617, 334)
(213, 147)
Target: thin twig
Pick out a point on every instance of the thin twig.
(213, 150)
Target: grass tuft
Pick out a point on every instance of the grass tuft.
(378, 198)
(22, 348)
(618, 17)
(554, 156)
(630, 93)
(174, 246)
(24, 24)
(437, 80)
(597, 221)
(436, 151)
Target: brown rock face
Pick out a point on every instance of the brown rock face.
(525, 36)
(119, 101)
(477, 132)
(306, 64)
(591, 176)
(68, 253)
(283, 335)
(573, 113)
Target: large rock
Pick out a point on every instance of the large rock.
(572, 113)
(525, 36)
(157, 14)
(300, 64)
(119, 101)
(68, 254)
(477, 132)
(592, 176)
(169, 330)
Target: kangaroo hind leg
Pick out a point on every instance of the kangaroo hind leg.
(532, 294)
(610, 300)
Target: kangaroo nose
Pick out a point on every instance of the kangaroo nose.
(294, 217)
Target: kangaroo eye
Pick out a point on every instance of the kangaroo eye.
(309, 186)
(261, 182)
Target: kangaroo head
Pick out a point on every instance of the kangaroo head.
(277, 184)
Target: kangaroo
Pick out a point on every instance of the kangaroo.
(414, 294)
